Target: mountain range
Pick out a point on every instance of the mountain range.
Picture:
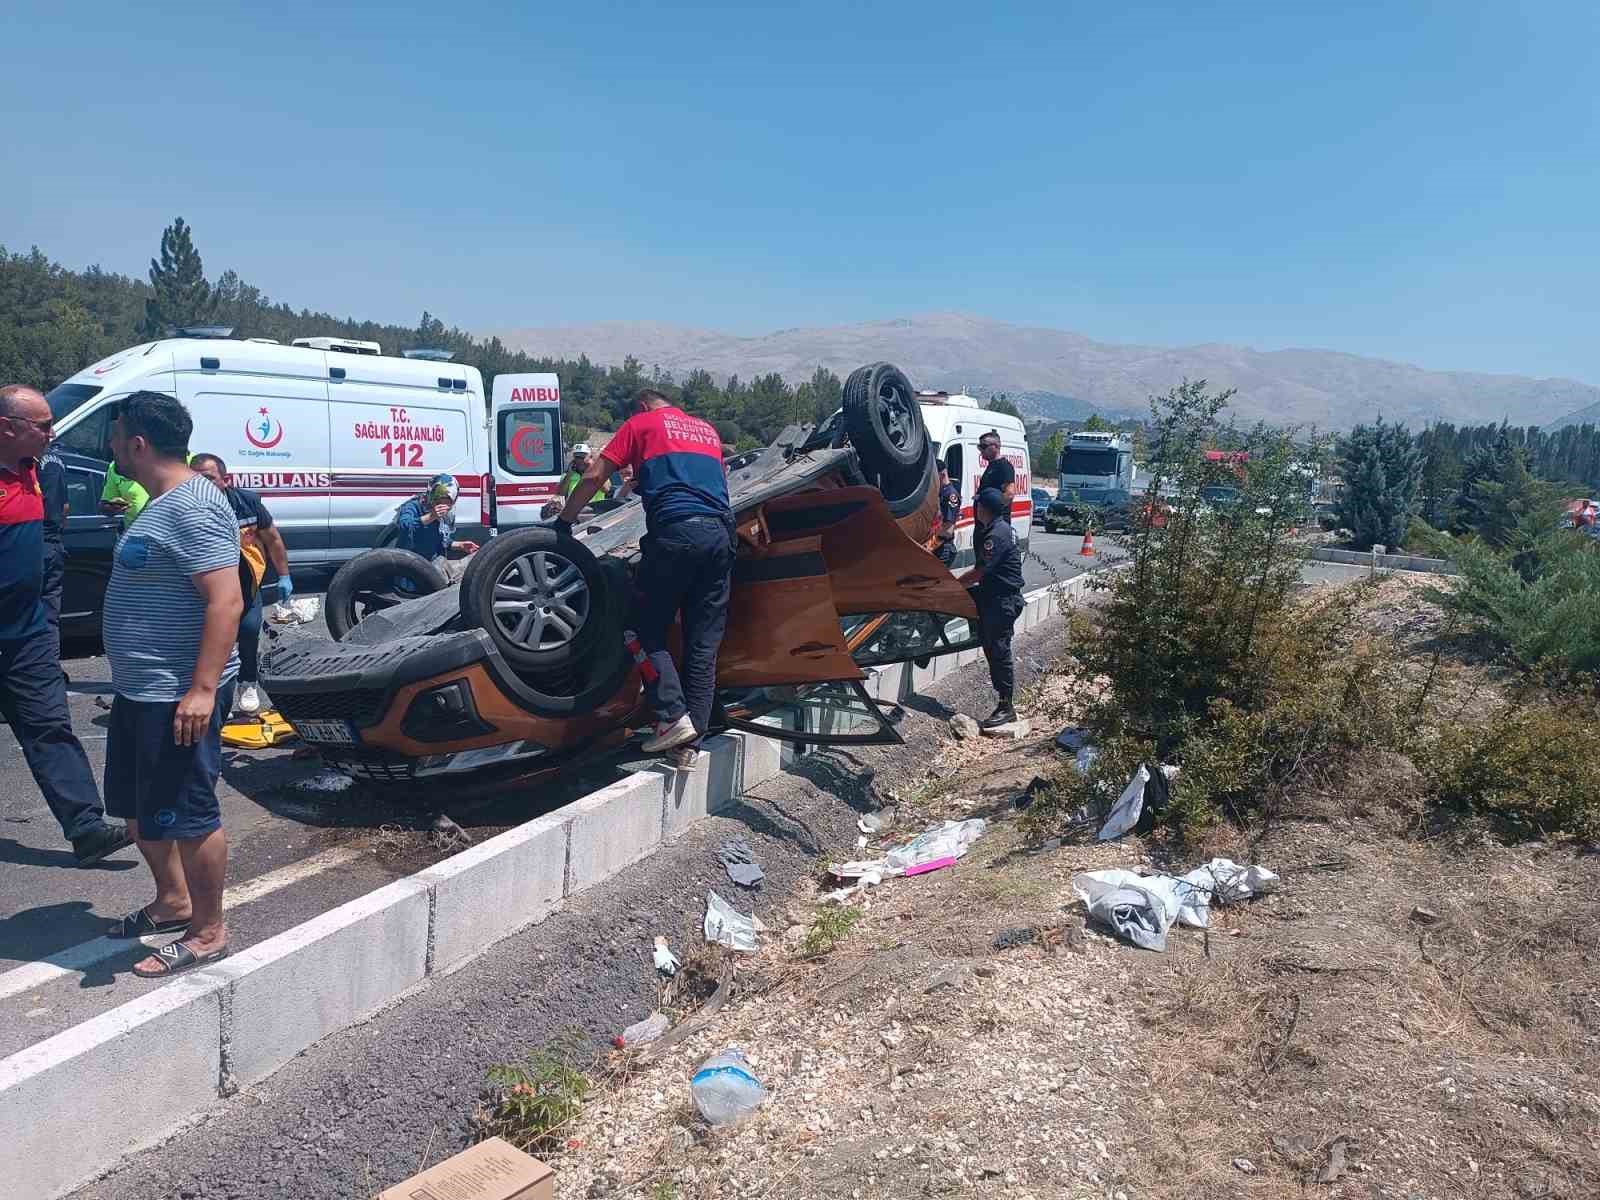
(1057, 374)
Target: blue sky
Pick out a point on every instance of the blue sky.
(1415, 181)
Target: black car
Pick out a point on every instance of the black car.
(90, 539)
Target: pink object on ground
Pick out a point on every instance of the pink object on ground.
(924, 868)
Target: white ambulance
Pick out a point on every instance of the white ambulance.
(335, 434)
(955, 423)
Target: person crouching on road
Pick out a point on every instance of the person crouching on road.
(260, 543)
(33, 691)
(686, 567)
(172, 613)
(949, 514)
(996, 587)
(426, 523)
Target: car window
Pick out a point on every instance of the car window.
(833, 713)
(91, 436)
(69, 397)
(908, 636)
(530, 441)
(83, 492)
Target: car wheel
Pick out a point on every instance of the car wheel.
(883, 420)
(911, 485)
(376, 580)
(542, 599)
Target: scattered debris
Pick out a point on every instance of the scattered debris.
(296, 612)
(1245, 1165)
(877, 822)
(642, 1033)
(666, 961)
(936, 847)
(1010, 939)
(725, 1088)
(727, 927)
(326, 781)
(1011, 731)
(740, 863)
(1125, 814)
(270, 728)
(964, 727)
(1141, 908)
(447, 833)
(1424, 916)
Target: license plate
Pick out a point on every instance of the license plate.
(338, 733)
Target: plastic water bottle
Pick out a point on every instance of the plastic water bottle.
(725, 1090)
(642, 1033)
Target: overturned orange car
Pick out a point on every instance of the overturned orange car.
(522, 666)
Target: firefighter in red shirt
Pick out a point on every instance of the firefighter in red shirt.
(686, 568)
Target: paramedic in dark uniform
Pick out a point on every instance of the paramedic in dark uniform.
(33, 692)
(949, 514)
(996, 587)
(687, 555)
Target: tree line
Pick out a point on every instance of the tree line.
(55, 321)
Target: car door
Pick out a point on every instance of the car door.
(90, 540)
(821, 556)
(525, 446)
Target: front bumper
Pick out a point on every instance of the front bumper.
(343, 699)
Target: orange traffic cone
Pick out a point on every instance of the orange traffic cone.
(1087, 549)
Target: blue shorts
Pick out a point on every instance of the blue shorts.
(170, 789)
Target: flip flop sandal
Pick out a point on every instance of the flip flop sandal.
(142, 924)
(176, 958)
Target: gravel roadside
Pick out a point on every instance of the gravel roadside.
(368, 1107)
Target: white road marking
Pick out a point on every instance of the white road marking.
(86, 954)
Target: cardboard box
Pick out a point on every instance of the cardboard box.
(491, 1170)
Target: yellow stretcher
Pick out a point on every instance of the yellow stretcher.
(259, 732)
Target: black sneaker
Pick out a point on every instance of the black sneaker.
(101, 844)
(1003, 714)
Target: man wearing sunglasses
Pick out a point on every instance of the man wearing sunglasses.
(33, 692)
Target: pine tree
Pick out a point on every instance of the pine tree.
(1382, 468)
(178, 279)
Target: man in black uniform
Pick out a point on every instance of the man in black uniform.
(996, 587)
(53, 487)
(949, 514)
(999, 474)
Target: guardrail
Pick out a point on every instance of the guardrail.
(1385, 562)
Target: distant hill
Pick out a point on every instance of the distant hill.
(1588, 415)
(1057, 374)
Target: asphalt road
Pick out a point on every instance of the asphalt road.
(293, 852)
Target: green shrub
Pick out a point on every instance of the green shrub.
(1538, 600)
(1537, 766)
(531, 1104)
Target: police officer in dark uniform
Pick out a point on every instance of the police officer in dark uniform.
(996, 587)
(949, 514)
(53, 487)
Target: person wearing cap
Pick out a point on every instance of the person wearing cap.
(949, 514)
(996, 587)
(581, 454)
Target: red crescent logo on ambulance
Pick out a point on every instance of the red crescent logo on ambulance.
(521, 452)
(264, 431)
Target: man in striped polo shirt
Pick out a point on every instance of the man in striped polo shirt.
(172, 613)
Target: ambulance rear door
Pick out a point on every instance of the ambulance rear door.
(525, 443)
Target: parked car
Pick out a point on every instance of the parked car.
(1041, 500)
(834, 573)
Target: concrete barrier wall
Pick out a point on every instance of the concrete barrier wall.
(1385, 562)
(74, 1104)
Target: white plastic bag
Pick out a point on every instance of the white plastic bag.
(1124, 814)
(296, 612)
(950, 840)
(728, 927)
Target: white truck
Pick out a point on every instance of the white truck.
(1096, 471)
(335, 434)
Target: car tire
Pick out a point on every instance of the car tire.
(562, 606)
(358, 587)
(883, 420)
(910, 485)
